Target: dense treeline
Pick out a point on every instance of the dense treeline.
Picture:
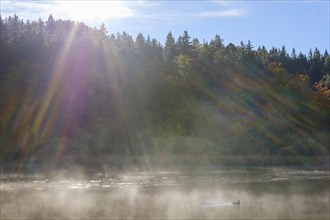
(75, 94)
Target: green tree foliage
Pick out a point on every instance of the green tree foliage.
(68, 90)
(184, 44)
(170, 51)
(216, 49)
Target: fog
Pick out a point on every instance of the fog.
(263, 194)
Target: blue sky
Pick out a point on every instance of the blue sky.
(300, 24)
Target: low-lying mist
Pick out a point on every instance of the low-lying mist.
(263, 194)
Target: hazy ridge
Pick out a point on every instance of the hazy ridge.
(72, 95)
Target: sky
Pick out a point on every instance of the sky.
(299, 24)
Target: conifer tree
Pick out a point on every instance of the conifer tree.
(170, 51)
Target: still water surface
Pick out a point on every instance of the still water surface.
(263, 194)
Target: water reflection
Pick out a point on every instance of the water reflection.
(263, 193)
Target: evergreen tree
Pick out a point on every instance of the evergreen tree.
(293, 54)
(184, 44)
(110, 95)
(262, 55)
(103, 30)
(326, 64)
(170, 51)
(217, 49)
(315, 71)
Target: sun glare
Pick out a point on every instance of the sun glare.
(94, 10)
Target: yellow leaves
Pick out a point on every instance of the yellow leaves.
(183, 64)
(303, 77)
(322, 89)
(183, 61)
(297, 83)
(276, 67)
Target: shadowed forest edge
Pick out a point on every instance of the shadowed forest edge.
(72, 95)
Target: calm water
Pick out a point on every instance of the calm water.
(263, 194)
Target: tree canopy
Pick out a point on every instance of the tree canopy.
(70, 92)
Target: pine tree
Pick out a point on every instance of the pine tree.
(184, 44)
(103, 30)
(170, 51)
(217, 49)
(315, 70)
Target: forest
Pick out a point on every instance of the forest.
(82, 96)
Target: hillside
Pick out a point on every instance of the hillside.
(75, 95)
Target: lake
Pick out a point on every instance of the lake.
(265, 193)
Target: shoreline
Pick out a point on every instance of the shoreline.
(123, 164)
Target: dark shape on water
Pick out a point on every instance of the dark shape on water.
(236, 203)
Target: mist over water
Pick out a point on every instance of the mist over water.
(263, 194)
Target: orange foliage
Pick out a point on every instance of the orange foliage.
(322, 89)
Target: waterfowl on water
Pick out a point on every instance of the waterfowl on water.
(237, 203)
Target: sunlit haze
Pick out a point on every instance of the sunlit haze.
(164, 109)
